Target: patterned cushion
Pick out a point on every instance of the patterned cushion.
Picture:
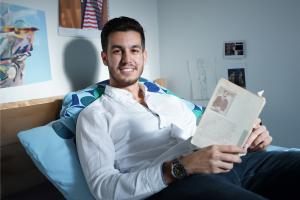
(52, 147)
(74, 102)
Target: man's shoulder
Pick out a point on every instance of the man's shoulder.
(169, 100)
(96, 107)
(164, 96)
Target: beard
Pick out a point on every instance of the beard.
(121, 82)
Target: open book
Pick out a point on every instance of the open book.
(229, 116)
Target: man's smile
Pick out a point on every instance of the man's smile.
(127, 69)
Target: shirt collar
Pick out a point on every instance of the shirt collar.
(122, 94)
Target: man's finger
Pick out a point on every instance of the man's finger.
(257, 123)
(225, 165)
(263, 144)
(233, 149)
(254, 135)
(262, 137)
(230, 158)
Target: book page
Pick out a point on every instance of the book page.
(229, 116)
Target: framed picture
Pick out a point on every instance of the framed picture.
(24, 54)
(83, 18)
(237, 76)
(234, 49)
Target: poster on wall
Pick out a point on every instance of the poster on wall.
(237, 76)
(83, 18)
(24, 55)
(234, 49)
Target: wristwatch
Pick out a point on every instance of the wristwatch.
(177, 169)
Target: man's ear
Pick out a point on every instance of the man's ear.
(145, 54)
(104, 58)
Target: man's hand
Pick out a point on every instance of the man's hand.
(212, 159)
(259, 138)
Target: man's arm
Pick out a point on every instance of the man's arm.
(212, 159)
(97, 154)
(220, 158)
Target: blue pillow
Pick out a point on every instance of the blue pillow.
(57, 159)
(52, 147)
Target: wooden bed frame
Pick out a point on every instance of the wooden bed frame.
(18, 173)
(20, 179)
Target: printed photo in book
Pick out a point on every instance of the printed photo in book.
(229, 116)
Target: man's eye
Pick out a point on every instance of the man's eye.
(116, 52)
(135, 50)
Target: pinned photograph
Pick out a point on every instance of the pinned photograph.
(84, 18)
(234, 49)
(237, 76)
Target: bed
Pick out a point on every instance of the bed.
(38, 153)
(19, 176)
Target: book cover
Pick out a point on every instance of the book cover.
(229, 116)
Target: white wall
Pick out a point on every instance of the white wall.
(78, 59)
(145, 12)
(180, 31)
(194, 29)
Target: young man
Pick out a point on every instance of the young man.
(134, 144)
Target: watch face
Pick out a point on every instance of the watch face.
(178, 171)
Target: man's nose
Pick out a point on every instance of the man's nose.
(126, 57)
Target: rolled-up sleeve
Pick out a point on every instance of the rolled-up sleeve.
(97, 154)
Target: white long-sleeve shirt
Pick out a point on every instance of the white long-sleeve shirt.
(122, 144)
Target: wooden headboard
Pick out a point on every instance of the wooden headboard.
(18, 172)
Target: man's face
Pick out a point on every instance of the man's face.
(125, 58)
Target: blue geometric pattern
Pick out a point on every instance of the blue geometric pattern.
(74, 102)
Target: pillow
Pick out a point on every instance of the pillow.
(57, 159)
(52, 147)
(74, 102)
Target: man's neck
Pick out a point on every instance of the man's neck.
(137, 91)
(134, 90)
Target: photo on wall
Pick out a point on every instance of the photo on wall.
(237, 76)
(24, 55)
(84, 18)
(234, 49)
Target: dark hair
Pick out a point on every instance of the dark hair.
(121, 24)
